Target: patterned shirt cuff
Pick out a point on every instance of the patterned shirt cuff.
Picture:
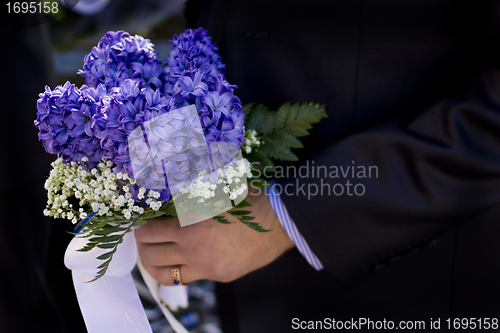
(290, 228)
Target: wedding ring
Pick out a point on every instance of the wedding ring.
(176, 275)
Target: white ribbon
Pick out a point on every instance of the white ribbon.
(111, 303)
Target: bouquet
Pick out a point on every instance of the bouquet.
(146, 139)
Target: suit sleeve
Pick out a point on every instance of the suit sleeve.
(411, 179)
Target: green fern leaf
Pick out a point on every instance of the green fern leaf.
(301, 116)
(257, 118)
(292, 111)
(280, 119)
(239, 212)
(105, 255)
(275, 150)
(267, 126)
(113, 238)
(260, 161)
(106, 245)
(170, 209)
(99, 274)
(221, 219)
(243, 204)
(296, 130)
(89, 246)
(286, 139)
(139, 222)
(104, 264)
(108, 230)
(255, 226)
(242, 216)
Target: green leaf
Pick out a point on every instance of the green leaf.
(255, 226)
(105, 255)
(139, 222)
(260, 162)
(285, 139)
(103, 239)
(242, 216)
(281, 117)
(267, 126)
(275, 150)
(99, 239)
(113, 238)
(243, 204)
(170, 208)
(291, 110)
(87, 247)
(257, 118)
(301, 116)
(106, 245)
(222, 220)
(239, 212)
(109, 230)
(104, 264)
(100, 274)
(297, 129)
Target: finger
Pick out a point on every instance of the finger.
(160, 254)
(157, 231)
(164, 274)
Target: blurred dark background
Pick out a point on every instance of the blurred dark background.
(73, 35)
(37, 292)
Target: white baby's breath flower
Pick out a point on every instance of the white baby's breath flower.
(103, 192)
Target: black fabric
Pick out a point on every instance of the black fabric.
(411, 87)
(36, 292)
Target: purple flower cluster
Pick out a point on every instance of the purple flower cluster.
(119, 56)
(127, 107)
(192, 50)
(219, 109)
(65, 119)
(124, 90)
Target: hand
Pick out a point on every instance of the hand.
(210, 250)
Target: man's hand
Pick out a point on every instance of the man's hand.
(210, 250)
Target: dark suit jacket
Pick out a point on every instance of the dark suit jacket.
(36, 290)
(411, 87)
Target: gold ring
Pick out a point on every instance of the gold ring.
(176, 275)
